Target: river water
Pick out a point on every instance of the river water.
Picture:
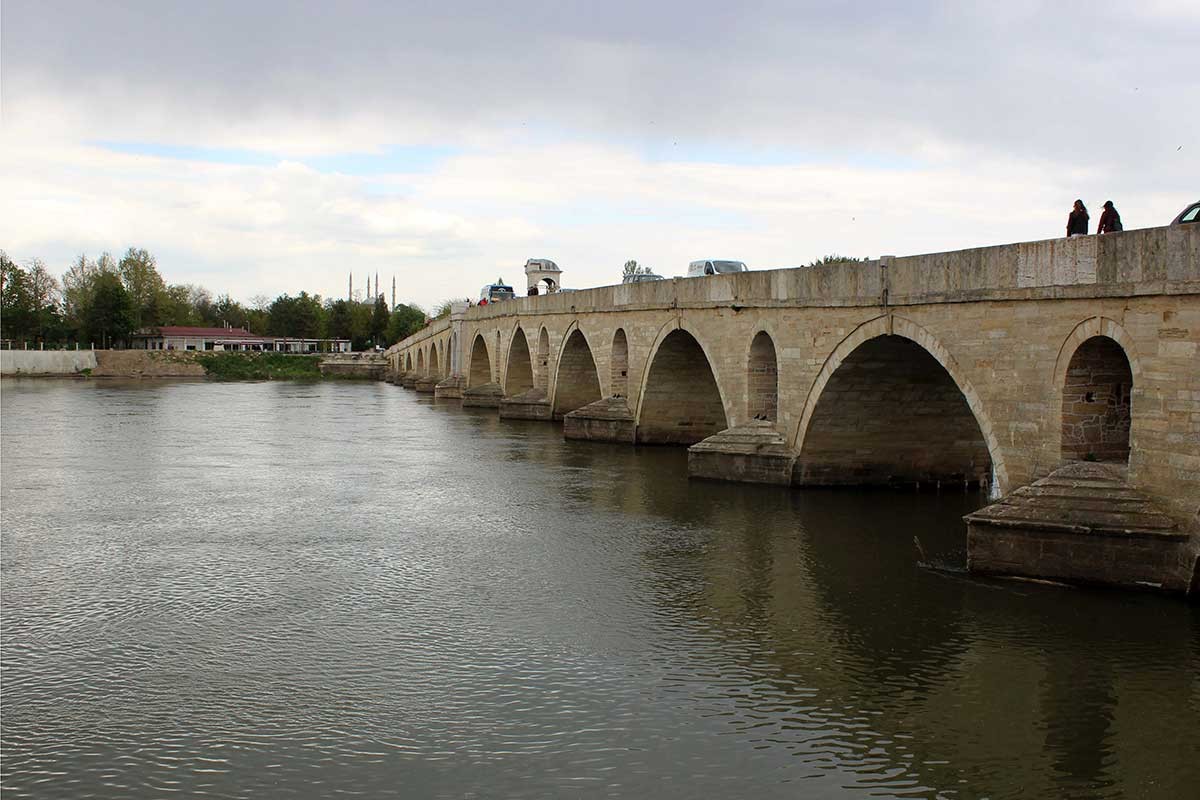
(315, 590)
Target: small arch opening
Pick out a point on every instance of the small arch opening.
(434, 361)
(481, 364)
(619, 377)
(543, 360)
(1097, 407)
(577, 383)
(681, 403)
(518, 376)
(420, 362)
(763, 379)
(891, 414)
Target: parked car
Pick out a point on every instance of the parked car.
(495, 292)
(642, 277)
(1188, 215)
(715, 267)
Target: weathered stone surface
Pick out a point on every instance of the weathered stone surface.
(488, 395)
(753, 453)
(408, 380)
(426, 383)
(450, 389)
(1000, 325)
(1082, 523)
(607, 420)
(532, 404)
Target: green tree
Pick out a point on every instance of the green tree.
(834, 258)
(110, 314)
(446, 307)
(17, 315)
(299, 317)
(339, 320)
(78, 285)
(404, 322)
(379, 321)
(145, 287)
(45, 296)
(632, 268)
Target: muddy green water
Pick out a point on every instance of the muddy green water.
(289, 590)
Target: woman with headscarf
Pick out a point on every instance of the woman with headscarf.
(1077, 221)
(1110, 220)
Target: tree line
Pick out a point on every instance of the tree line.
(102, 302)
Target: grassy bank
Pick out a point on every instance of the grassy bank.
(260, 366)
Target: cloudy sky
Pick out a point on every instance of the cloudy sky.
(265, 147)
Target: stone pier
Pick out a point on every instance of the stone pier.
(532, 404)
(1082, 523)
(487, 395)
(607, 420)
(450, 389)
(753, 453)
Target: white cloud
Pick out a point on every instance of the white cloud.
(802, 129)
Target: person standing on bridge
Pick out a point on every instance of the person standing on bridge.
(1077, 220)
(1110, 220)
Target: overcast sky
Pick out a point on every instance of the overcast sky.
(266, 147)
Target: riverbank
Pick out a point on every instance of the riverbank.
(224, 366)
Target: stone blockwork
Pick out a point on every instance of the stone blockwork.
(892, 415)
(1096, 402)
(990, 332)
(1084, 524)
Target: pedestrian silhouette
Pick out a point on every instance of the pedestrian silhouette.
(1110, 220)
(1077, 220)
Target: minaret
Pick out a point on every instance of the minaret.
(368, 297)
(350, 297)
(378, 291)
(393, 293)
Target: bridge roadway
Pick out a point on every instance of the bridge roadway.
(993, 365)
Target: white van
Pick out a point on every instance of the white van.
(715, 267)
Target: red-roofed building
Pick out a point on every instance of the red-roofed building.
(186, 337)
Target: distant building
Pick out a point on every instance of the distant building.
(184, 337)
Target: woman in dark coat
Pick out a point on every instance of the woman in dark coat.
(1110, 220)
(1077, 221)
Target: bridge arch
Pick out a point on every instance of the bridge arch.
(433, 361)
(420, 361)
(618, 382)
(479, 369)
(518, 373)
(681, 400)
(576, 380)
(905, 368)
(1095, 375)
(542, 372)
(762, 378)
(408, 362)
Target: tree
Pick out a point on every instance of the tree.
(339, 321)
(836, 259)
(78, 285)
(404, 322)
(139, 275)
(632, 268)
(17, 317)
(300, 317)
(379, 320)
(447, 306)
(110, 314)
(45, 297)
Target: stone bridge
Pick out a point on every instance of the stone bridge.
(990, 366)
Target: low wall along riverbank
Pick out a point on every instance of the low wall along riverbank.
(47, 362)
(188, 364)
